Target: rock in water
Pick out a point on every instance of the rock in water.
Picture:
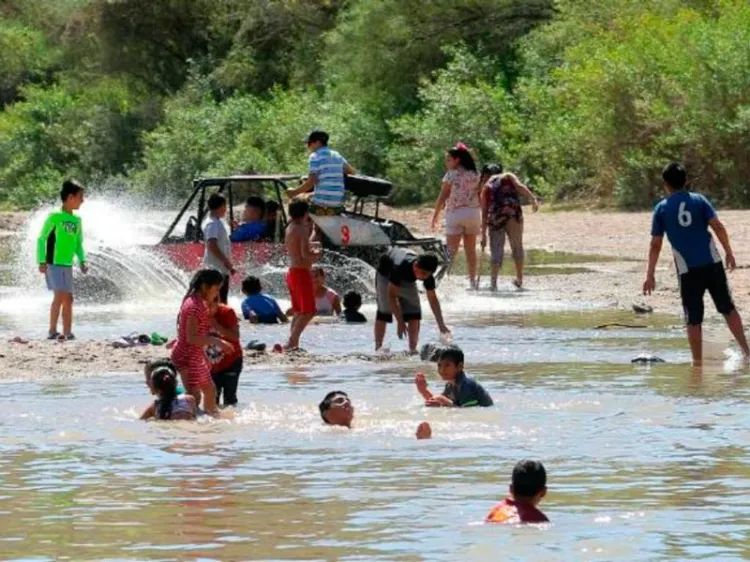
(647, 359)
(642, 309)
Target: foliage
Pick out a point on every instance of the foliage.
(581, 98)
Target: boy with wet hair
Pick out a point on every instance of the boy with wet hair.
(337, 409)
(460, 390)
(528, 487)
(685, 218)
(352, 304)
(60, 243)
(218, 252)
(258, 307)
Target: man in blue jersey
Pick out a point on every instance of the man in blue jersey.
(327, 169)
(685, 218)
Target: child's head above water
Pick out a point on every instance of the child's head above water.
(352, 301)
(529, 482)
(450, 363)
(164, 384)
(319, 276)
(251, 286)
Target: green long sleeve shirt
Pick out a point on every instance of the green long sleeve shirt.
(61, 240)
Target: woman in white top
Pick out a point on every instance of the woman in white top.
(463, 213)
(327, 301)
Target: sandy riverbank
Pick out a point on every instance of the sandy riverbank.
(612, 284)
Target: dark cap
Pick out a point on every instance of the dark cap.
(318, 136)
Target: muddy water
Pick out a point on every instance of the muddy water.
(643, 463)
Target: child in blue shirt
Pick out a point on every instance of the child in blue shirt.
(259, 308)
(685, 218)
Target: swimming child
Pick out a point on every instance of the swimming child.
(352, 304)
(327, 301)
(193, 337)
(685, 218)
(528, 487)
(168, 405)
(258, 307)
(226, 367)
(337, 409)
(460, 390)
(59, 243)
(299, 279)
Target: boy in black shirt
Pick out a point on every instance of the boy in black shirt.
(397, 294)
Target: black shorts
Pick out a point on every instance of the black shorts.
(695, 283)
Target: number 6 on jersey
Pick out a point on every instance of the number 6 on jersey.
(683, 216)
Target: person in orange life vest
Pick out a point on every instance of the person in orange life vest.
(528, 487)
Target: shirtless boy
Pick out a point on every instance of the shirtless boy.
(299, 279)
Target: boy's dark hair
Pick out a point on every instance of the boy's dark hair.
(272, 207)
(492, 169)
(529, 477)
(163, 363)
(251, 285)
(675, 175)
(428, 262)
(298, 209)
(70, 187)
(216, 201)
(256, 202)
(318, 136)
(352, 300)
(325, 405)
(453, 354)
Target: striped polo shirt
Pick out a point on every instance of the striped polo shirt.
(328, 167)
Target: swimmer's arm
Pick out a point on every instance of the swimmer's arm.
(337, 305)
(149, 413)
(437, 311)
(439, 401)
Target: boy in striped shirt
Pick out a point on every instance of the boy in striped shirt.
(327, 169)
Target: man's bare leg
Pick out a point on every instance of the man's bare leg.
(695, 338)
(734, 322)
(380, 327)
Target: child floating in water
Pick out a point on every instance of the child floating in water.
(460, 390)
(258, 307)
(327, 301)
(352, 304)
(528, 487)
(169, 406)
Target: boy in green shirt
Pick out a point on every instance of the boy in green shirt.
(60, 241)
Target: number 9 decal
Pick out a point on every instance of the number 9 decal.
(345, 235)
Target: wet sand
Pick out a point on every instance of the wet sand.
(615, 284)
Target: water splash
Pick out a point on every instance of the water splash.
(119, 240)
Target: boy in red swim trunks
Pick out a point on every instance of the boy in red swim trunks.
(527, 488)
(299, 279)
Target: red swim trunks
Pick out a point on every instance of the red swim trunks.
(300, 283)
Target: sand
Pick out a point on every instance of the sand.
(615, 284)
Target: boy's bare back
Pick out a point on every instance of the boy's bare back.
(298, 245)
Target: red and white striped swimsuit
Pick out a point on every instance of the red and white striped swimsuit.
(191, 360)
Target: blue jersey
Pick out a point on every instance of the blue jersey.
(249, 232)
(328, 167)
(264, 307)
(684, 217)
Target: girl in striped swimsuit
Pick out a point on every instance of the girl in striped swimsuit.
(193, 327)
